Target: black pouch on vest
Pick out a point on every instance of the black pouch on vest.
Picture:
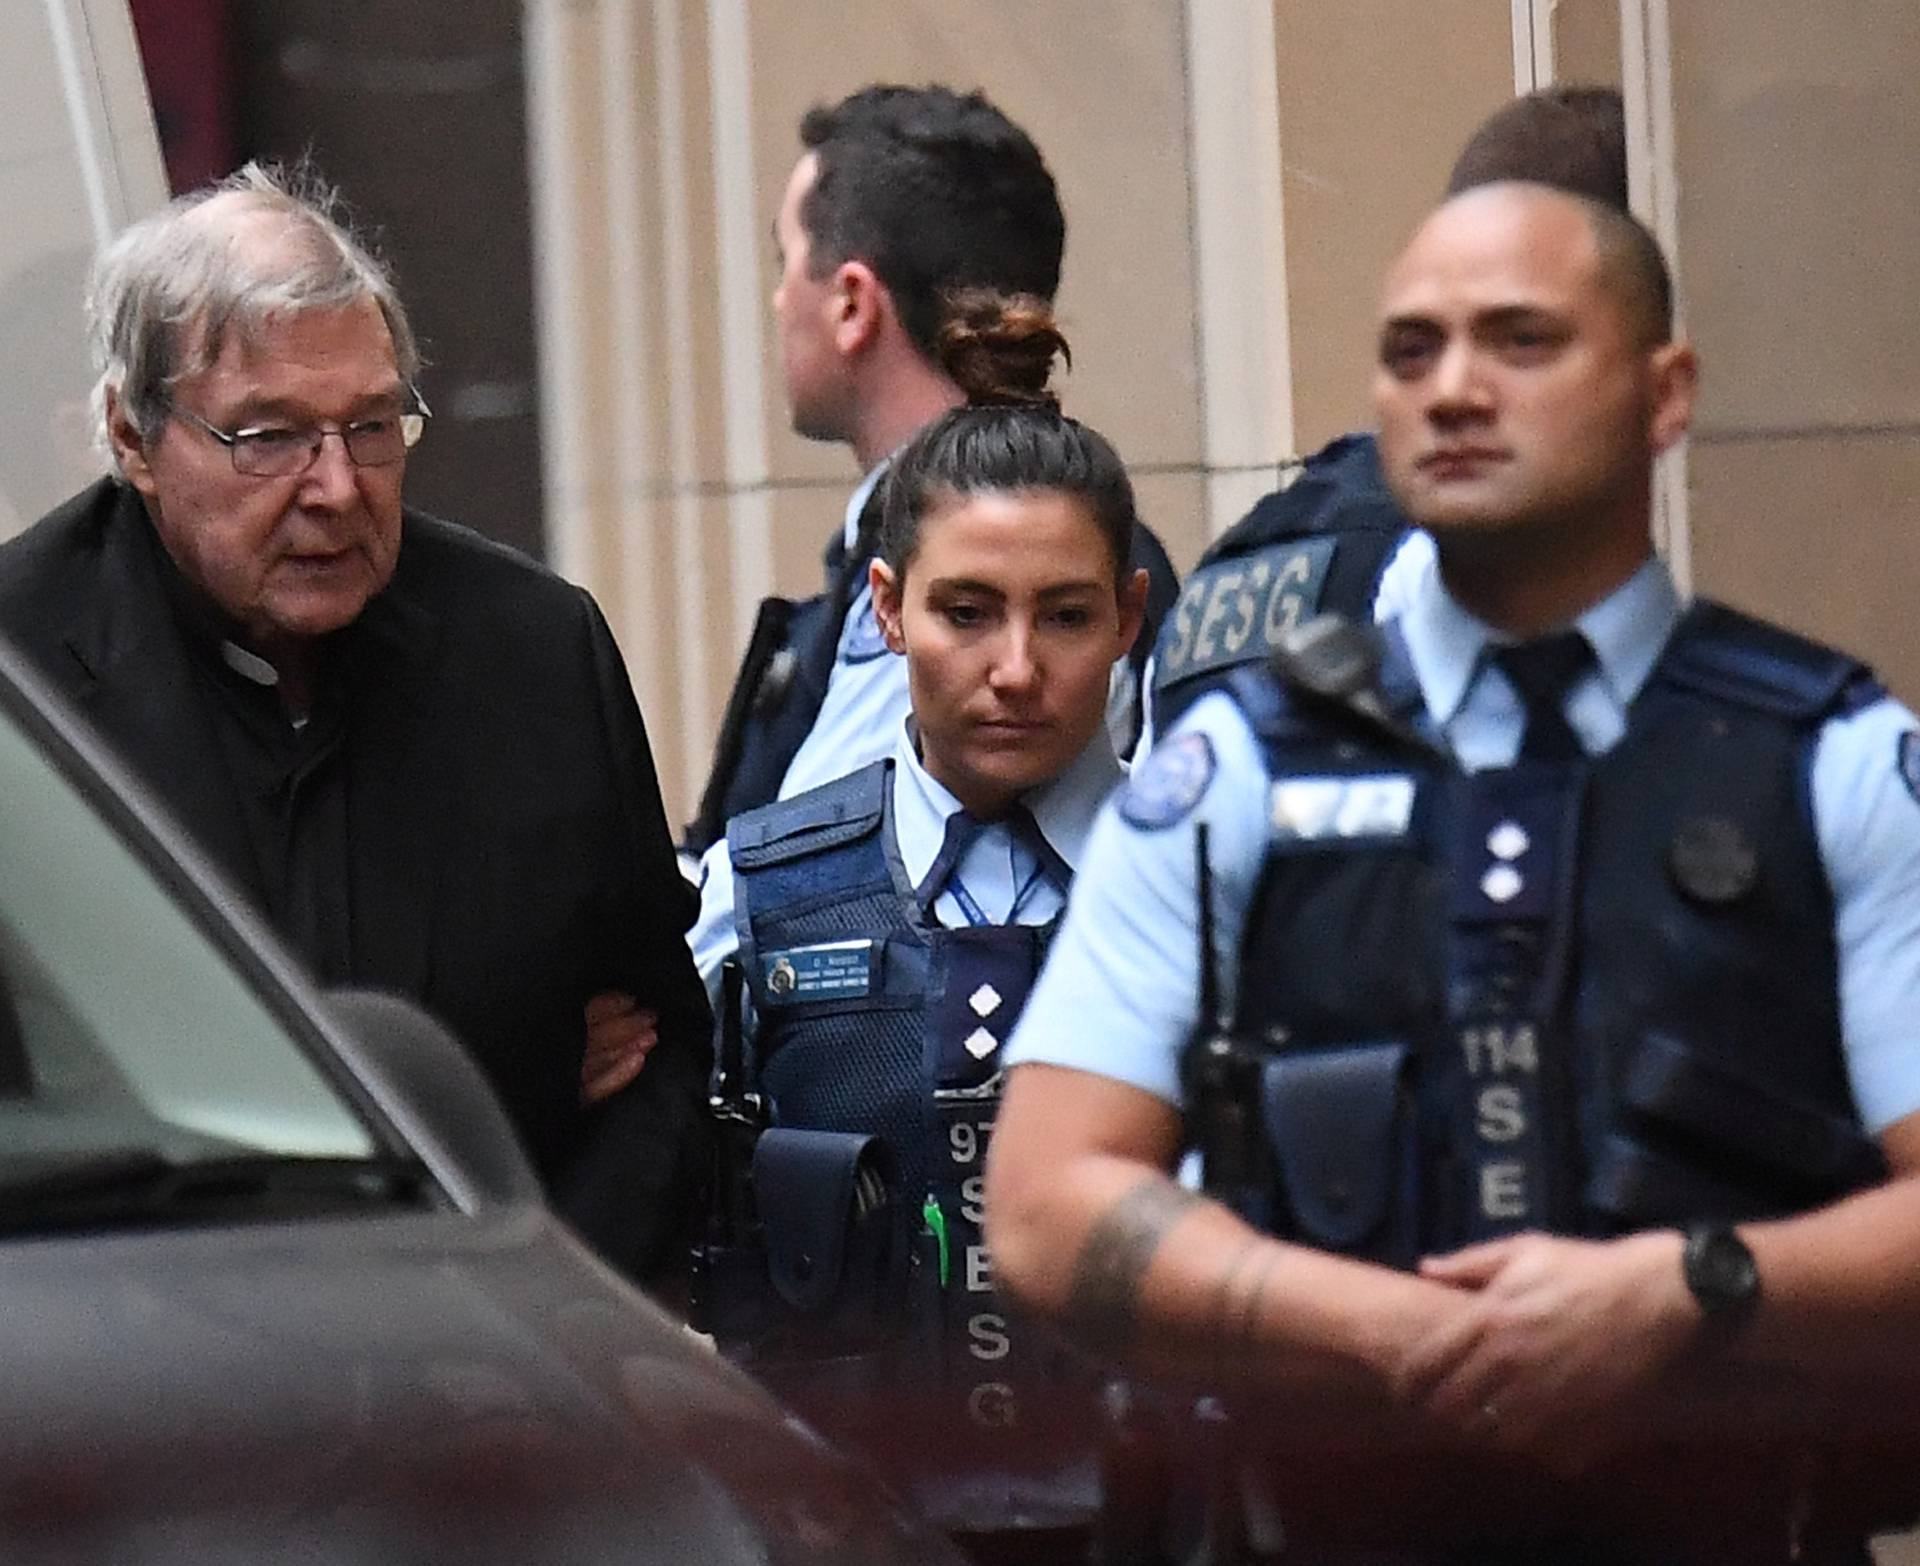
(828, 1230)
(1710, 1142)
(1339, 1124)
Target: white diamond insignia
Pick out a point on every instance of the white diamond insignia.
(1508, 840)
(985, 1001)
(1502, 883)
(980, 1043)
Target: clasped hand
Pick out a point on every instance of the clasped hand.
(1553, 1344)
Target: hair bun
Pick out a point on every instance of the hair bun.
(1000, 348)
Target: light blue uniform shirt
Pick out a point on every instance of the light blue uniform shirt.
(1119, 995)
(866, 699)
(998, 870)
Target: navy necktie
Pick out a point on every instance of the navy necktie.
(1543, 671)
(1026, 831)
(961, 831)
(962, 828)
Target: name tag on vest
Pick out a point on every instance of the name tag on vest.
(835, 968)
(1236, 611)
(1343, 809)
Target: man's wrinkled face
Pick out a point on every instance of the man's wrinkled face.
(803, 313)
(1514, 388)
(1010, 621)
(293, 558)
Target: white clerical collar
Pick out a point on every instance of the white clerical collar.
(249, 666)
(1064, 809)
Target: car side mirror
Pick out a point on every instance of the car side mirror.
(431, 1089)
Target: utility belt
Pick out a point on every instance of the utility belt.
(876, 1320)
(809, 1264)
(829, 1263)
(1354, 1148)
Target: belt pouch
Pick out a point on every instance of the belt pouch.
(828, 1244)
(1338, 1125)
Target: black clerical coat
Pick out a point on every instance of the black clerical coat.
(508, 853)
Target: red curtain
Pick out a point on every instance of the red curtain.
(187, 47)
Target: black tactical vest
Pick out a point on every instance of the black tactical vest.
(876, 1022)
(1586, 998)
(1317, 546)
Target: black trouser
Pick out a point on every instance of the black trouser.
(1028, 1547)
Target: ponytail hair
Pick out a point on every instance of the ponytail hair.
(1010, 436)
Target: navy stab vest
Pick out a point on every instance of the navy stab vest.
(1317, 546)
(873, 1020)
(1587, 998)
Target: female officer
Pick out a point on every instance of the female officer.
(888, 927)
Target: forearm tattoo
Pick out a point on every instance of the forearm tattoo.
(1104, 1296)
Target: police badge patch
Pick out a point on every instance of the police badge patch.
(1907, 762)
(1168, 783)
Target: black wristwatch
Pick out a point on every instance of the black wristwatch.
(1719, 1271)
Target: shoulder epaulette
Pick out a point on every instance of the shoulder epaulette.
(842, 811)
(1721, 652)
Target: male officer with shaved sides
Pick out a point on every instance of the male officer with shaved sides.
(902, 199)
(1557, 1085)
(1331, 539)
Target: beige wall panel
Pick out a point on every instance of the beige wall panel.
(1232, 493)
(1798, 149)
(1376, 97)
(1798, 530)
(803, 517)
(1586, 42)
(1100, 85)
(645, 622)
(1174, 505)
(1239, 246)
(703, 630)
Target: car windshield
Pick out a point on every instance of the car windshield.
(128, 1038)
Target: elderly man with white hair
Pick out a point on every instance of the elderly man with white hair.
(416, 752)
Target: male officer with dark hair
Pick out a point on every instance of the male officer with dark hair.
(1571, 137)
(1331, 538)
(1559, 1085)
(417, 752)
(901, 197)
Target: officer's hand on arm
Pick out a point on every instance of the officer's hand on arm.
(1088, 1230)
(620, 1032)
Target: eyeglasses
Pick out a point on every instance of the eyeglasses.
(280, 451)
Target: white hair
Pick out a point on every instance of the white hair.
(262, 244)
